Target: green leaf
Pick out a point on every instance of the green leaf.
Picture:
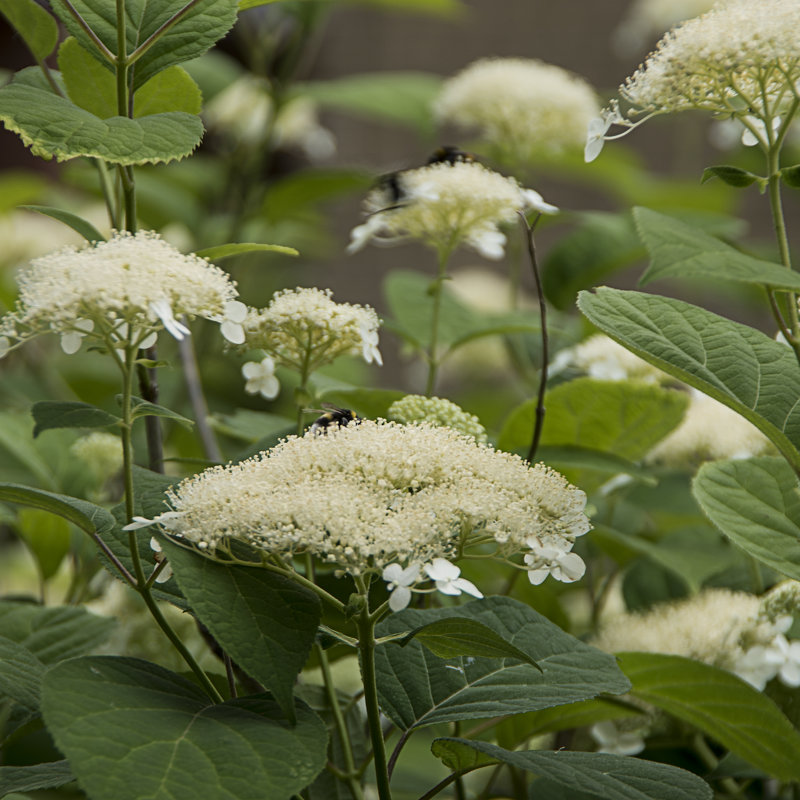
(90, 84)
(172, 89)
(684, 251)
(236, 248)
(142, 408)
(20, 673)
(47, 537)
(162, 739)
(78, 224)
(733, 176)
(195, 32)
(53, 126)
(398, 98)
(70, 414)
(37, 28)
(602, 244)
(454, 636)
(417, 688)
(54, 633)
(87, 516)
(50, 775)
(739, 717)
(596, 774)
(571, 456)
(733, 363)
(625, 418)
(265, 622)
(755, 502)
(252, 426)
(791, 176)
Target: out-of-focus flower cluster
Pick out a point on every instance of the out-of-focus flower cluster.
(525, 110)
(446, 205)
(376, 494)
(647, 20)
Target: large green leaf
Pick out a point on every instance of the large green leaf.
(400, 98)
(48, 537)
(678, 250)
(418, 688)
(205, 23)
(265, 622)
(596, 774)
(49, 775)
(172, 89)
(625, 418)
(53, 126)
(55, 633)
(727, 709)
(733, 363)
(70, 414)
(756, 503)
(87, 516)
(131, 729)
(37, 28)
(20, 673)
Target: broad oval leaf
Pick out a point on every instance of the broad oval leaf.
(756, 503)
(733, 363)
(53, 126)
(195, 31)
(733, 176)
(610, 777)
(678, 250)
(90, 84)
(172, 89)
(265, 622)
(131, 729)
(727, 709)
(418, 688)
(457, 636)
(626, 418)
(20, 673)
(69, 414)
(37, 28)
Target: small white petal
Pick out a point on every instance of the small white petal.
(71, 342)
(164, 575)
(138, 522)
(232, 331)
(440, 569)
(148, 340)
(534, 200)
(235, 311)
(155, 545)
(463, 585)
(399, 598)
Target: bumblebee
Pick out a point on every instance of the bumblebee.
(333, 416)
(447, 154)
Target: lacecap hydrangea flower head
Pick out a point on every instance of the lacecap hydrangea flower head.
(738, 60)
(380, 498)
(523, 109)
(119, 293)
(303, 330)
(445, 206)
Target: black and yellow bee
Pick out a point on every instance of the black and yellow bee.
(392, 182)
(333, 416)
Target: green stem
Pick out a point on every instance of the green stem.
(142, 586)
(433, 343)
(73, 12)
(366, 651)
(351, 776)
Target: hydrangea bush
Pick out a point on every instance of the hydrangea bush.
(576, 565)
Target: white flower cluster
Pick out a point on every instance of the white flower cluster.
(731, 630)
(737, 60)
(446, 205)
(436, 411)
(120, 292)
(647, 20)
(523, 109)
(602, 358)
(304, 329)
(374, 494)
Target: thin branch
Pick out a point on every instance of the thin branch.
(540, 409)
(121, 568)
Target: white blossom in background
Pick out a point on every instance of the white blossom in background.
(446, 205)
(260, 378)
(738, 60)
(378, 496)
(709, 431)
(304, 329)
(646, 21)
(119, 292)
(436, 411)
(524, 109)
(612, 737)
(602, 358)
